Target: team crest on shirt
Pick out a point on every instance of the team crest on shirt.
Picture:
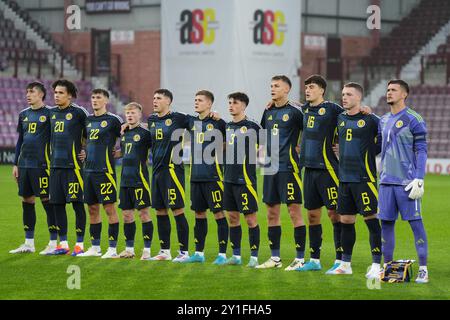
(399, 124)
(209, 127)
(361, 123)
(322, 111)
(104, 123)
(136, 138)
(243, 129)
(69, 116)
(285, 117)
(42, 118)
(168, 122)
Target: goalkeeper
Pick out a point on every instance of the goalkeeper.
(403, 160)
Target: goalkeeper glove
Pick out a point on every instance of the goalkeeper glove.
(416, 187)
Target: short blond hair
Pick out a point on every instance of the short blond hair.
(133, 105)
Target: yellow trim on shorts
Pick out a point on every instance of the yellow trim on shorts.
(177, 182)
(175, 178)
(248, 182)
(47, 158)
(373, 188)
(372, 179)
(296, 170)
(220, 183)
(328, 165)
(144, 182)
(77, 168)
(110, 172)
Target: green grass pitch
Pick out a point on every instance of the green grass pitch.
(32, 276)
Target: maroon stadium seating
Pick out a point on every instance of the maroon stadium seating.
(433, 104)
(12, 101)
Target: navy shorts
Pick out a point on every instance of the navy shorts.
(168, 189)
(207, 195)
(33, 182)
(320, 189)
(99, 187)
(134, 198)
(66, 185)
(282, 187)
(358, 197)
(240, 197)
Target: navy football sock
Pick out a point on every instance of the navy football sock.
(375, 239)
(222, 234)
(337, 229)
(147, 233)
(300, 241)
(129, 230)
(274, 234)
(200, 231)
(254, 239)
(113, 234)
(348, 238)
(164, 229)
(182, 232)
(29, 219)
(235, 239)
(315, 240)
(61, 220)
(95, 230)
(80, 220)
(51, 220)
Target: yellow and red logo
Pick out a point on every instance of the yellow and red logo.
(269, 27)
(198, 26)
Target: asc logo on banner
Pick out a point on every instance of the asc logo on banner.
(269, 27)
(198, 26)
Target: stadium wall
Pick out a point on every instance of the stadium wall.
(319, 16)
(140, 62)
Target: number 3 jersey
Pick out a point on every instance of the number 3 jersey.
(357, 147)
